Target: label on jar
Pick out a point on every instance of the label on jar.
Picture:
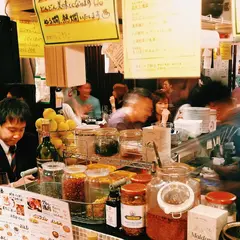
(111, 216)
(133, 216)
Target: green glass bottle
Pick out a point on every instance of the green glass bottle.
(46, 152)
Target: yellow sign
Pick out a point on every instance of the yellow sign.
(236, 20)
(77, 21)
(226, 50)
(161, 38)
(30, 39)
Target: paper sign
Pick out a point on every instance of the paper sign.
(81, 21)
(30, 39)
(161, 38)
(225, 51)
(236, 20)
(30, 216)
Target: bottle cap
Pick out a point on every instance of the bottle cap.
(220, 197)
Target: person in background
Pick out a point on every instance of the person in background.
(87, 105)
(137, 108)
(116, 100)
(17, 148)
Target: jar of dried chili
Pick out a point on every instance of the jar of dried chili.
(133, 208)
(73, 183)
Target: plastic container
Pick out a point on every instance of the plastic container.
(106, 141)
(130, 143)
(224, 201)
(169, 196)
(143, 178)
(73, 183)
(51, 178)
(133, 202)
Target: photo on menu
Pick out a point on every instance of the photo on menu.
(34, 204)
(20, 209)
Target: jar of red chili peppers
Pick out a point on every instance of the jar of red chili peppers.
(133, 208)
(73, 183)
(169, 196)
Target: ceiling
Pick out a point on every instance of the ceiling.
(23, 10)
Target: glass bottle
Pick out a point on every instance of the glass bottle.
(113, 217)
(46, 152)
(58, 100)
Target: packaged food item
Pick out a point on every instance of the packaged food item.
(133, 208)
(73, 183)
(106, 141)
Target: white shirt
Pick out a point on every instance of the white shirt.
(6, 150)
(69, 114)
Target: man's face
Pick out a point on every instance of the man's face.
(85, 91)
(166, 86)
(143, 109)
(12, 132)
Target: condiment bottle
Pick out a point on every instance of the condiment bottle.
(133, 208)
(224, 201)
(113, 217)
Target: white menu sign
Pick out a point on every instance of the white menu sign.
(161, 38)
(30, 216)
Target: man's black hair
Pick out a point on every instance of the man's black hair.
(14, 109)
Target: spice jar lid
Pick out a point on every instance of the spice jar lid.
(143, 178)
(53, 166)
(220, 197)
(133, 189)
(75, 169)
(175, 198)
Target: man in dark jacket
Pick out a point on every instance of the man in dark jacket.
(17, 148)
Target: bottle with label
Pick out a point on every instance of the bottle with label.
(113, 217)
(46, 152)
(58, 99)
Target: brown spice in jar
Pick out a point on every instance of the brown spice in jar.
(133, 195)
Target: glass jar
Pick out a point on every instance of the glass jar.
(51, 178)
(73, 183)
(169, 196)
(133, 204)
(106, 142)
(143, 178)
(130, 141)
(224, 201)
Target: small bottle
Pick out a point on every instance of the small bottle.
(58, 100)
(113, 217)
(46, 151)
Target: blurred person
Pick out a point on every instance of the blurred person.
(88, 105)
(17, 148)
(116, 100)
(137, 108)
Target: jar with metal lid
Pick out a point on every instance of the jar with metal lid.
(106, 141)
(73, 183)
(130, 141)
(224, 201)
(51, 178)
(133, 204)
(169, 196)
(143, 178)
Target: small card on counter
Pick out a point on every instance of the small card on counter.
(206, 222)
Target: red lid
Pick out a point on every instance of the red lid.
(143, 178)
(220, 197)
(133, 189)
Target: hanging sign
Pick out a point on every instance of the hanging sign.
(30, 39)
(161, 38)
(226, 50)
(30, 216)
(236, 20)
(81, 21)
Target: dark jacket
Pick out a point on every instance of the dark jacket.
(25, 156)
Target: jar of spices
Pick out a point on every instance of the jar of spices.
(51, 178)
(106, 142)
(143, 178)
(224, 201)
(73, 183)
(133, 208)
(130, 141)
(169, 196)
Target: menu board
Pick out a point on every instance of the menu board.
(71, 21)
(236, 20)
(30, 39)
(29, 216)
(161, 38)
